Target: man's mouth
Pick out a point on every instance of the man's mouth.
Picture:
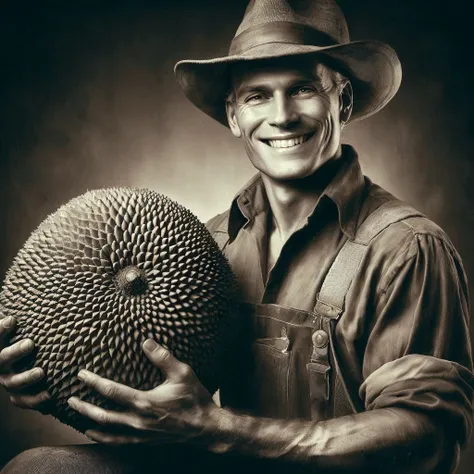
(288, 142)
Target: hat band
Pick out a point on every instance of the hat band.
(279, 32)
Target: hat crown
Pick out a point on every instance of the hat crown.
(324, 16)
(272, 29)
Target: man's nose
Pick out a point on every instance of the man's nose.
(283, 111)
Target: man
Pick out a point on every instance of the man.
(360, 357)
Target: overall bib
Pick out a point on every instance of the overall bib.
(287, 364)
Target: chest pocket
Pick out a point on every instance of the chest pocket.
(293, 372)
(278, 382)
(304, 379)
(271, 368)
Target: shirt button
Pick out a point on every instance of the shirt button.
(320, 338)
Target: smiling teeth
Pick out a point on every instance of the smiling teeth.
(287, 143)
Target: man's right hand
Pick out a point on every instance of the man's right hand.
(24, 388)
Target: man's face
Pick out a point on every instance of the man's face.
(288, 115)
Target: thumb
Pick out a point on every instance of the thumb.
(161, 358)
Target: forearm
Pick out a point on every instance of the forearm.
(384, 440)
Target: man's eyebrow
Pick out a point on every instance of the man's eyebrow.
(262, 87)
(306, 80)
(299, 80)
(252, 88)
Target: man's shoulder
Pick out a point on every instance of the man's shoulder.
(412, 242)
(405, 234)
(218, 223)
(416, 225)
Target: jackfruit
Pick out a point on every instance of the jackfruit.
(108, 270)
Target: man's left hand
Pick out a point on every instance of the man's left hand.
(179, 409)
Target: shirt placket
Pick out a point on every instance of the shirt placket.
(280, 269)
(296, 243)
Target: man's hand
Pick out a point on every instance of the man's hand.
(24, 388)
(177, 410)
(180, 409)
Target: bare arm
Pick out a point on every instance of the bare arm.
(382, 440)
(385, 440)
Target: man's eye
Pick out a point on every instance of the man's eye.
(254, 98)
(304, 90)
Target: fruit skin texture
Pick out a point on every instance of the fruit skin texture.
(108, 270)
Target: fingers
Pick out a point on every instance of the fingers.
(112, 390)
(112, 439)
(171, 367)
(37, 402)
(15, 352)
(118, 439)
(16, 382)
(106, 417)
(7, 325)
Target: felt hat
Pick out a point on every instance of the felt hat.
(283, 28)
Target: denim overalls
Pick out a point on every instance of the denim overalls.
(286, 363)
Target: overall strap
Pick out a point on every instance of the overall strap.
(331, 298)
(330, 302)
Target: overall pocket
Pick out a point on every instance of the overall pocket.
(319, 386)
(270, 377)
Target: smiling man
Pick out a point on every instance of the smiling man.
(356, 356)
(288, 113)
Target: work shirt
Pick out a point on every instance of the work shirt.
(403, 339)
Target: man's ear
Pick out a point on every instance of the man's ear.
(230, 111)
(346, 99)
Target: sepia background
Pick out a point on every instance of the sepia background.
(88, 99)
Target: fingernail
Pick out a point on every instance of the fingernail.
(46, 397)
(8, 322)
(72, 402)
(82, 375)
(36, 374)
(25, 346)
(150, 345)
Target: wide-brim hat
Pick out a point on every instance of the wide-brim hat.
(285, 28)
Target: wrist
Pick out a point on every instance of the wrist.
(221, 428)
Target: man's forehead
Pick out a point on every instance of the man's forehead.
(311, 68)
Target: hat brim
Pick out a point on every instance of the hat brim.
(372, 67)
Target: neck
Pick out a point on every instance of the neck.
(292, 202)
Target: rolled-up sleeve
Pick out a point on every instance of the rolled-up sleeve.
(418, 353)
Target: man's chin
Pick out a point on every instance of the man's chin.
(287, 175)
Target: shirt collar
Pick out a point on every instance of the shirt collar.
(345, 190)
